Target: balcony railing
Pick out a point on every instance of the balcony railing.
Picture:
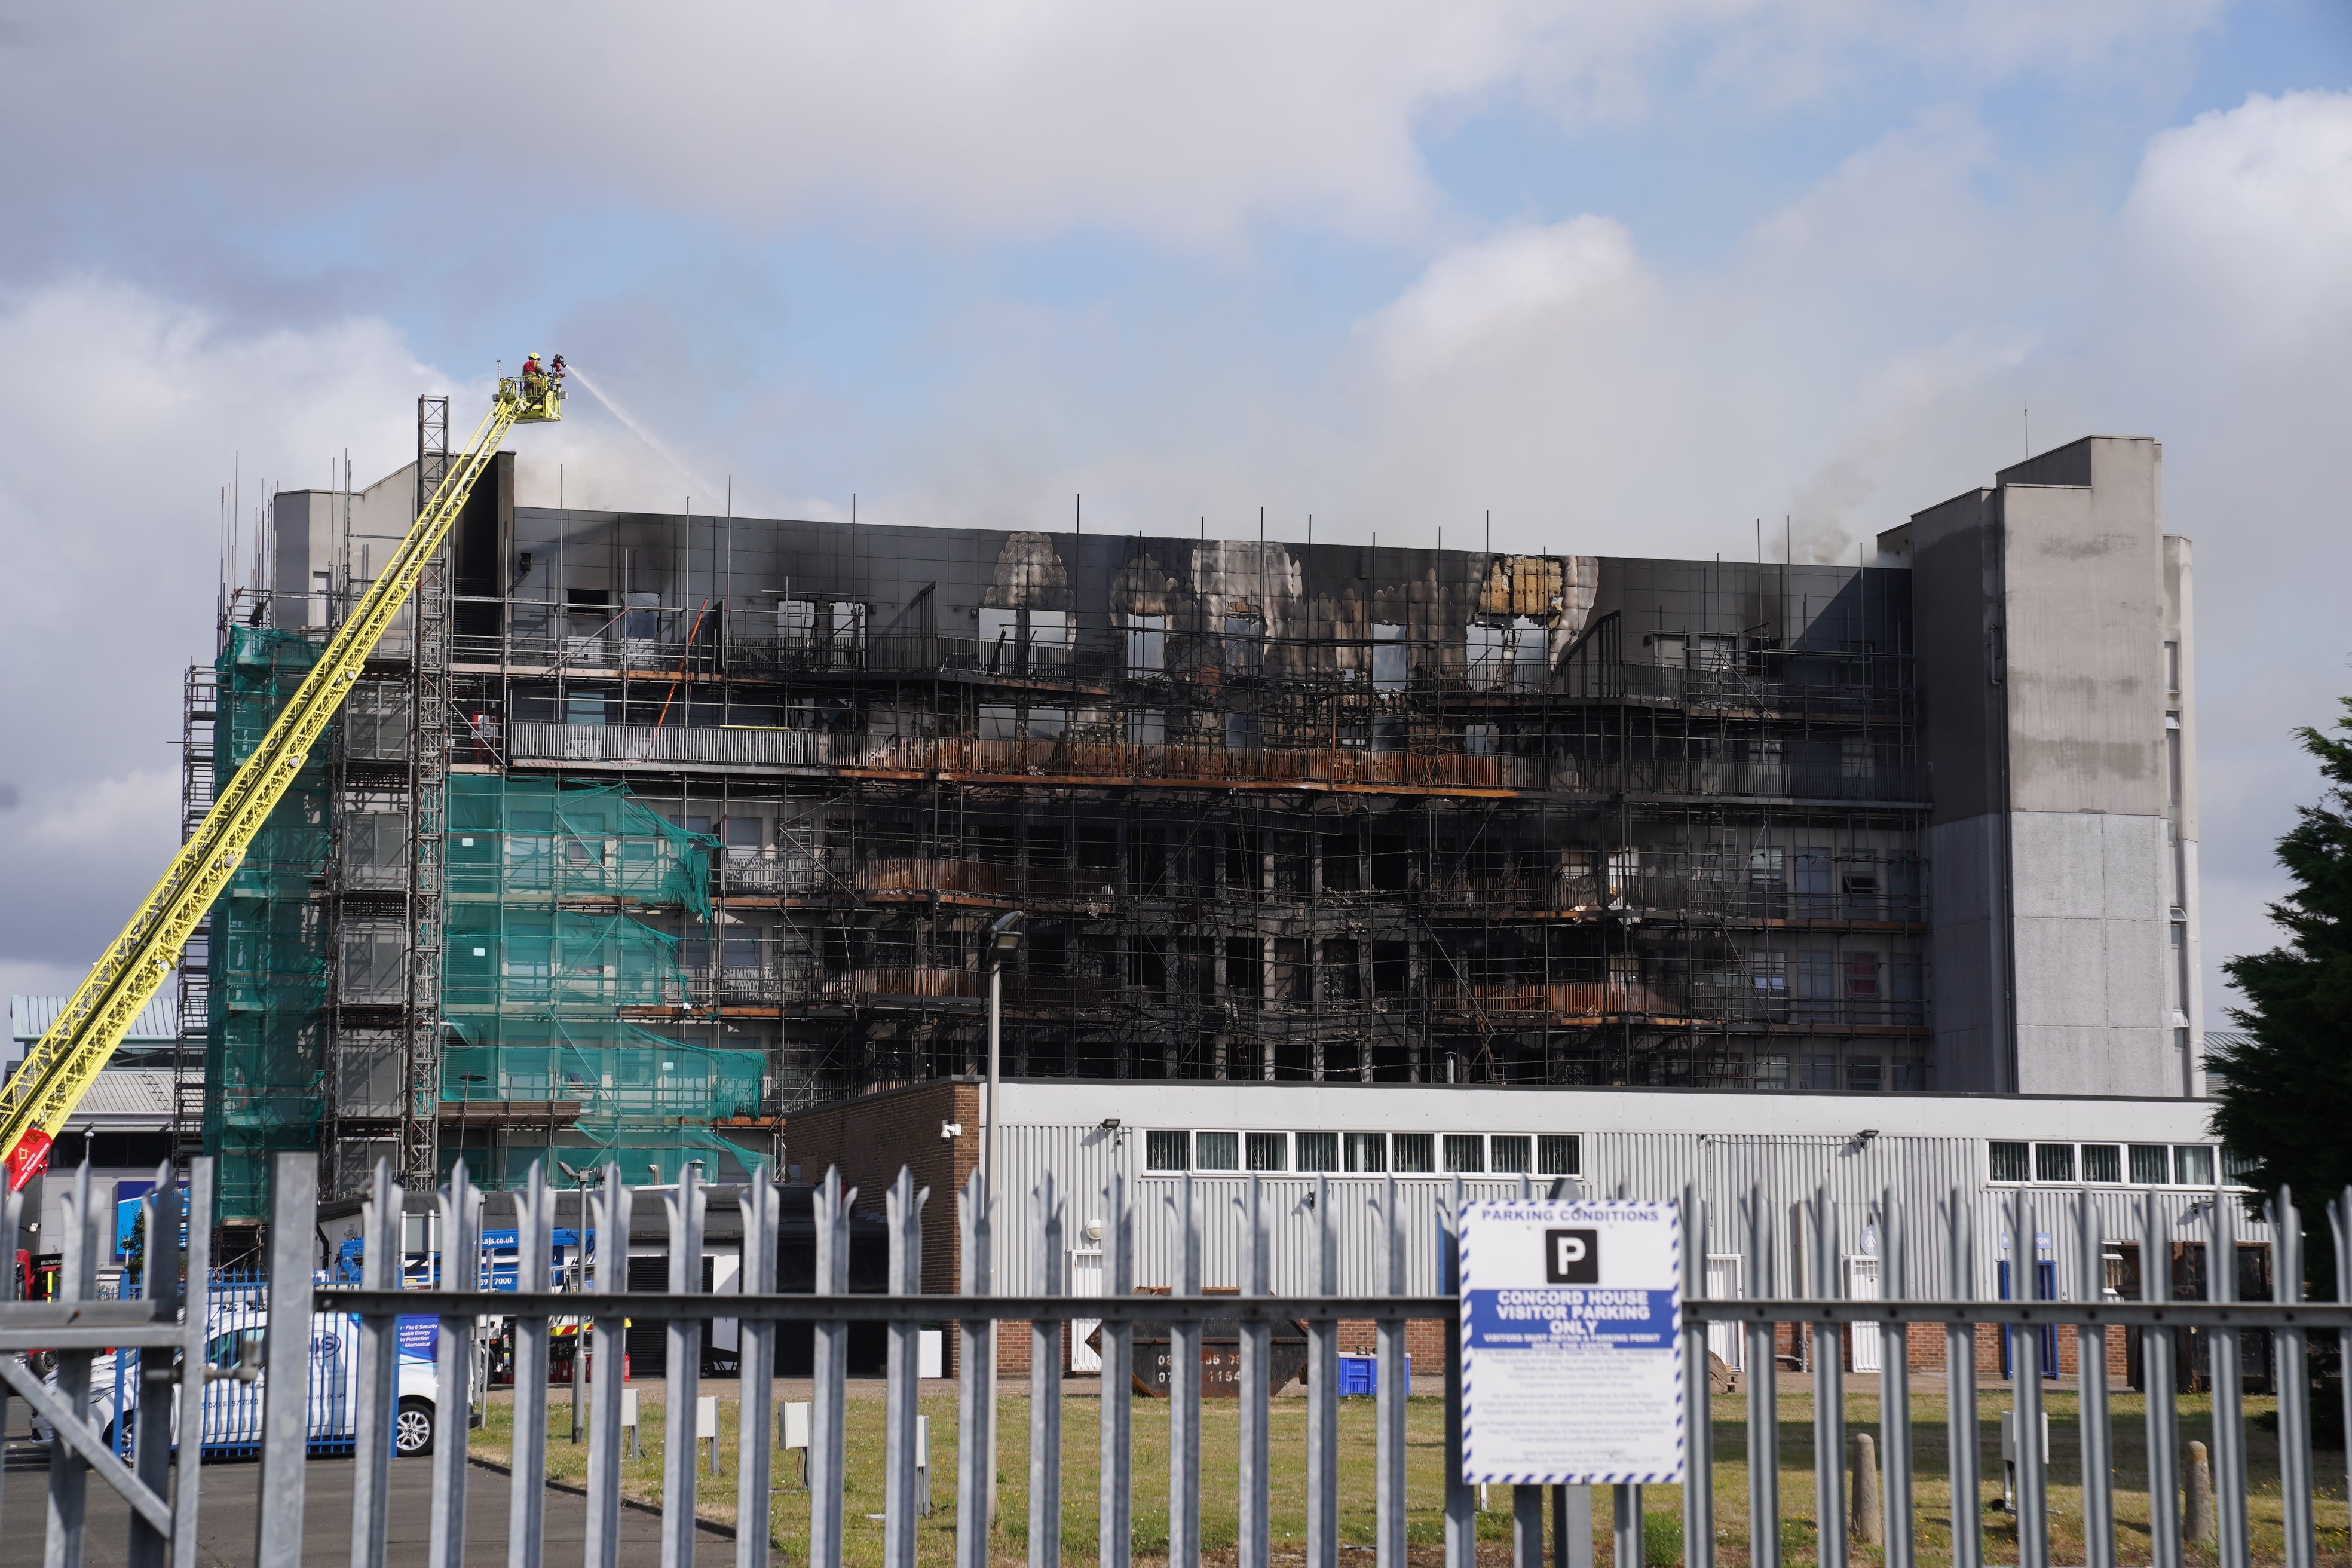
(535, 741)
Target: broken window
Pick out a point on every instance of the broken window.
(1391, 658)
(1147, 645)
(1245, 645)
(1049, 639)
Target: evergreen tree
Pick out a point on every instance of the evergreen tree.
(2284, 1096)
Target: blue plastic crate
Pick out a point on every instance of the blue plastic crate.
(1360, 1375)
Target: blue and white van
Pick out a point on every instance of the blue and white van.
(232, 1402)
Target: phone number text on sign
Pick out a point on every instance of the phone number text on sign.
(1571, 1343)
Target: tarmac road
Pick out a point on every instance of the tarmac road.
(226, 1517)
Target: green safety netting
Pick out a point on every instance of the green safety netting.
(502, 957)
(534, 839)
(616, 1071)
(266, 1044)
(504, 1161)
(532, 984)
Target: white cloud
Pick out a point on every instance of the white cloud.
(125, 412)
(2242, 222)
(1182, 121)
(1487, 297)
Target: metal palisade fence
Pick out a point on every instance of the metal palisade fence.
(173, 1318)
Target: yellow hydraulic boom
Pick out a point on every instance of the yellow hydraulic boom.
(59, 1069)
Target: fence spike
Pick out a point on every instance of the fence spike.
(613, 1211)
(1045, 1387)
(756, 1343)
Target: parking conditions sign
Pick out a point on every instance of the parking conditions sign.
(1571, 1343)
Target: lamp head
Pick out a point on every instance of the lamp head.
(1005, 936)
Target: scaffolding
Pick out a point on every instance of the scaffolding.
(723, 807)
(265, 1057)
(1442, 818)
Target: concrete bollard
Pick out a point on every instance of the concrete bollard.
(1869, 1501)
(2197, 1523)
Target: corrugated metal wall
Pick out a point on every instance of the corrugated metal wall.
(1887, 1196)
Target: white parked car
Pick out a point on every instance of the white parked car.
(234, 1393)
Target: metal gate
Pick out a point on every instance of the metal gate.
(77, 1328)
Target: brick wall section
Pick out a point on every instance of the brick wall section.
(1926, 1343)
(869, 1140)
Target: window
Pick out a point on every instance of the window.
(739, 949)
(1268, 1151)
(1484, 647)
(1719, 655)
(2173, 667)
(1907, 984)
(1342, 969)
(2237, 1169)
(1147, 645)
(2102, 1163)
(2151, 1164)
(1817, 1074)
(1048, 724)
(1560, 1154)
(796, 622)
(1771, 1072)
(1318, 1151)
(1147, 727)
(1465, 1152)
(584, 707)
(1049, 639)
(2008, 1161)
(1368, 1151)
(1813, 888)
(1482, 740)
(2054, 1161)
(1910, 1073)
(1217, 1151)
(1864, 1074)
(1000, 632)
(999, 721)
(1511, 1156)
(848, 631)
(1670, 651)
(1391, 658)
(1167, 1151)
(2192, 1164)
(1416, 1153)
(1245, 645)
(1390, 735)
(743, 836)
(1861, 976)
(1241, 731)
(1816, 983)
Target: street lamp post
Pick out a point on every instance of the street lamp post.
(1004, 943)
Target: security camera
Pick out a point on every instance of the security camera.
(951, 1128)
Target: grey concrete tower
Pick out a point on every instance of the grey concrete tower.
(2052, 626)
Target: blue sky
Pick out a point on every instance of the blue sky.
(1629, 275)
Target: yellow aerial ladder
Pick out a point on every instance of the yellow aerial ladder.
(58, 1071)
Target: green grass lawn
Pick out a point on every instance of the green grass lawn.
(1662, 1506)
